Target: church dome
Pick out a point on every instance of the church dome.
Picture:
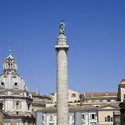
(10, 79)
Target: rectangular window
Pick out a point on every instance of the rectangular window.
(123, 96)
(83, 116)
(111, 119)
(51, 117)
(92, 116)
(73, 95)
(43, 117)
(105, 119)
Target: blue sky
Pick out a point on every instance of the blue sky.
(95, 31)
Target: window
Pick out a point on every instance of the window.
(43, 117)
(2, 83)
(17, 105)
(83, 116)
(15, 83)
(92, 116)
(73, 95)
(51, 117)
(124, 95)
(111, 119)
(105, 119)
(108, 119)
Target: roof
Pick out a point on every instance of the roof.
(84, 107)
(10, 56)
(69, 90)
(38, 95)
(100, 94)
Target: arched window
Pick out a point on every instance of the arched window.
(17, 105)
(108, 118)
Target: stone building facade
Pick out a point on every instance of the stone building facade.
(14, 96)
(90, 114)
(40, 101)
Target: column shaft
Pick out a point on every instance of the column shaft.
(62, 88)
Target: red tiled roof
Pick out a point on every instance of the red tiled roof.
(99, 94)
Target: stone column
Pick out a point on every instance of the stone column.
(77, 120)
(62, 78)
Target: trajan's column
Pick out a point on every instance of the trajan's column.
(62, 77)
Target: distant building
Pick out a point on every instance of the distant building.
(105, 104)
(99, 97)
(90, 114)
(73, 96)
(40, 101)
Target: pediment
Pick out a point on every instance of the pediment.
(109, 107)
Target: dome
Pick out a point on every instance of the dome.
(10, 79)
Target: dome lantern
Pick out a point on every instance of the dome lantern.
(10, 64)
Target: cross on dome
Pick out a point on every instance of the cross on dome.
(10, 52)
